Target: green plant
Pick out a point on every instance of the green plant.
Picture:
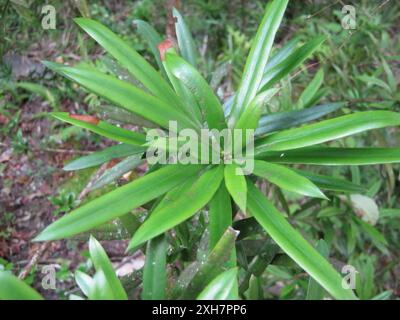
(64, 202)
(6, 227)
(173, 193)
(13, 288)
(104, 285)
(19, 143)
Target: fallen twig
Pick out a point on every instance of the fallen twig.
(52, 150)
(34, 260)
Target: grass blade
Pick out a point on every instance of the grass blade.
(372, 81)
(41, 91)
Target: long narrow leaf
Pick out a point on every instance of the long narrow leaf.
(12, 288)
(318, 96)
(124, 95)
(118, 202)
(327, 130)
(283, 120)
(287, 179)
(223, 287)
(292, 242)
(251, 115)
(277, 58)
(213, 265)
(290, 63)
(86, 284)
(314, 290)
(258, 57)
(102, 289)
(154, 272)
(119, 115)
(129, 59)
(189, 105)
(99, 157)
(117, 171)
(236, 185)
(311, 90)
(219, 215)
(151, 36)
(104, 129)
(207, 100)
(103, 264)
(334, 156)
(281, 55)
(170, 213)
(331, 183)
(186, 44)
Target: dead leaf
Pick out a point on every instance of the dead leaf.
(5, 156)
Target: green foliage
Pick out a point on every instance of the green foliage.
(155, 272)
(104, 285)
(223, 287)
(14, 289)
(64, 202)
(189, 209)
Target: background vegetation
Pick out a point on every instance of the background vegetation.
(360, 66)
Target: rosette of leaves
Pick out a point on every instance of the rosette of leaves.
(174, 193)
